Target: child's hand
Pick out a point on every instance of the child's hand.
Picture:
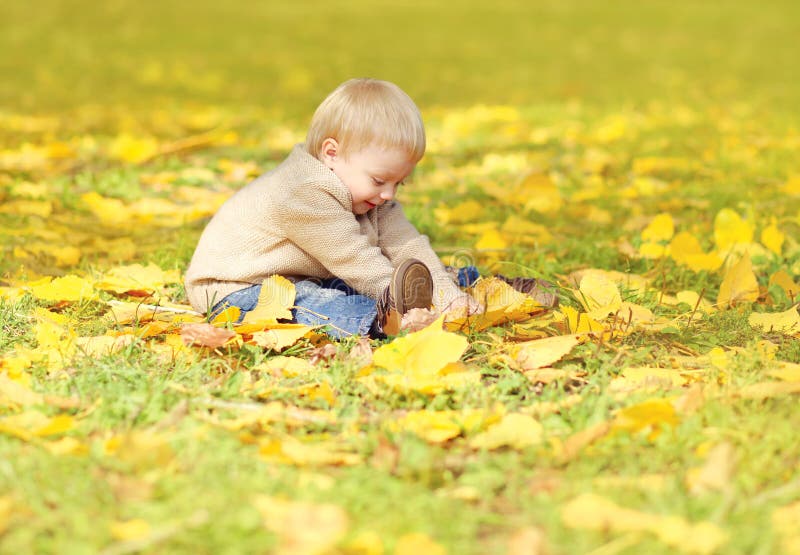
(461, 307)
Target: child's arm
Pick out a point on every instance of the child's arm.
(320, 222)
(399, 240)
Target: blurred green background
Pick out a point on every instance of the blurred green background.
(58, 54)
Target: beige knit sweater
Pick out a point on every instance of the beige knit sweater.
(297, 221)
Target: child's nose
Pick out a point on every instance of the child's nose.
(387, 194)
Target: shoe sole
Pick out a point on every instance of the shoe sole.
(411, 286)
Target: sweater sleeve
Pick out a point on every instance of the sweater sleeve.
(400, 240)
(321, 224)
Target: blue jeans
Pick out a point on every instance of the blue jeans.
(328, 302)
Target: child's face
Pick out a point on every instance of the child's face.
(372, 174)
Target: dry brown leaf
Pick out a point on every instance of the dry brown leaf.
(205, 335)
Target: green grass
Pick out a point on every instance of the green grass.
(707, 83)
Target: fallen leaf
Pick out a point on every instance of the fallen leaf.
(787, 322)
(767, 390)
(205, 335)
(599, 296)
(730, 229)
(593, 512)
(716, 473)
(69, 288)
(651, 416)
(418, 544)
(739, 284)
(783, 280)
(527, 541)
(661, 228)
(514, 430)
(303, 528)
(128, 530)
(274, 301)
(279, 336)
(539, 353)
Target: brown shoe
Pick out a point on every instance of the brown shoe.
(543, 292)
(411, 287)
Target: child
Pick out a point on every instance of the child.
(326, 219)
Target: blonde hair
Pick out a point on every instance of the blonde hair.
(361, 112)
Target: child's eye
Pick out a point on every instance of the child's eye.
(377, 181)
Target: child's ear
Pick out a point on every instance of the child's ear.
(329, 151)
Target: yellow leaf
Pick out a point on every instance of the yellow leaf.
(289, 367)
(144, 450)
(730, 229)
(129, 530)
(783, 280)
(739, 284)
(542, 193)
(41, 208)
(303, 528)
(693, 300)
(599, 296)
(525, 230)
(491, 240)
(527, 541)
(136, 277)
(425, 352)
(279, 336)
(661, 228)
(647, 378)
(773, 238)
(461, 213)
(132, 149)
(68, 288)
(67, 446)
(580, 322)
(6, 510)
(31, 424)
(418, 544)
(786, 371)
(685, 249)
(767, 390)
(104, 344)
(514, 430)
(288, 450)
(274, 301)
(650, 415)
(49, 335)
(652, 251)
(592, 512)
(716, 473)
(432, 426)
(787, 322)
(107, 210)
(539, 353)
(15, 394)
